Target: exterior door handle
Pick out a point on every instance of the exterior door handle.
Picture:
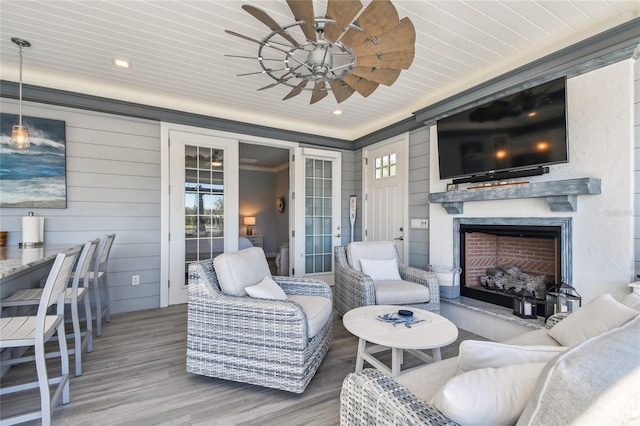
(338, 236)
(399, 238)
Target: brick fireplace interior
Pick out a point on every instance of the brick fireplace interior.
(493, 249)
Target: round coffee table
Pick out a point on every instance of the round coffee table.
(433, 332)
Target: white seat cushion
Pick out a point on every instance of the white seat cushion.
(400, 292)
(369, 250)
(239, 269)
(317, 308)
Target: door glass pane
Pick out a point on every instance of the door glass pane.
(204, 203)
(318, 216)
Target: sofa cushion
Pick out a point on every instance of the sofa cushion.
(424, 382)
(488, 396)
(595, 382)
(266, 289)
(239, 269)
(475, 354)
(632, 300)
(400, 292)
(369, 250)
(602, 314)
(535, 337)
(381, 269)
(318, 311)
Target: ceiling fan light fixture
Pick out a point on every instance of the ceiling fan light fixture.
(334, 45)
(20, 133)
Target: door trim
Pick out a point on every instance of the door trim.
(404, 175)
(165, 129)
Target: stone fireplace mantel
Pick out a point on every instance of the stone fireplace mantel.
(561, 195)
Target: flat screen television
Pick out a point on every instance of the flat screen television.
(520, 131)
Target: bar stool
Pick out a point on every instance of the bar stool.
(31, 297)
(98, 275)
(34, 331)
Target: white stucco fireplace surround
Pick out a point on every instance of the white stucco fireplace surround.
(600, 137)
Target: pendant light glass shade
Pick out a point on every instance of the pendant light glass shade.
(20, 133)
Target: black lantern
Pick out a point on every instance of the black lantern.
(561, 298)
(524, 304)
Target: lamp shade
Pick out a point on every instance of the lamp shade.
(249, 220)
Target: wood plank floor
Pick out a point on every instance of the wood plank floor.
(136, 376)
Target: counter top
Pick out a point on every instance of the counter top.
(14, 259)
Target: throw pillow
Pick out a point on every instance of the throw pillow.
(600, 315)
(475, 354)
(381, 270)
(488, 396)
(266, 289)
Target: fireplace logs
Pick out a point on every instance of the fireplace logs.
(511, 279)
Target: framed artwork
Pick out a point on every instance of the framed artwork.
(35, 176)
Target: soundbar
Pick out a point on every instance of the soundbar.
(503, 175)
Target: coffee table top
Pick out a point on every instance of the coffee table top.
(434, 332)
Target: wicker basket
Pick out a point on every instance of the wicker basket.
(448, 280)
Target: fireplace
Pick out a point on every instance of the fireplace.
(501, 256)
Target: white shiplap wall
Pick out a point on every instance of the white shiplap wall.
(636, 172)
(113, 186)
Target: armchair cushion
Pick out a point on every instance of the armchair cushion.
(266, 289)
(374, 250)
(381, 269)
(400, 292)
(495, 396)
(316, 308)
(239, 269)
(602, 314)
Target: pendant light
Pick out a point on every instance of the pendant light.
(20, 133)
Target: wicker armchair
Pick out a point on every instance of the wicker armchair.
(354, 288)
(259, 341)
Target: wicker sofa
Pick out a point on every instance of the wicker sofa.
(355, 288)
(594, 382)
(264, 342)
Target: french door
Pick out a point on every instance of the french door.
(317, 229)
(203, 203)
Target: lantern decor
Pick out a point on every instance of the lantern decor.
(524, 304)
(561, 298)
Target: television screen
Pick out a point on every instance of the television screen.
(519, 131)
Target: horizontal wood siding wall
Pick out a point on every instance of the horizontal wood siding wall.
(418, 193)
(636, 173)
(113, 186)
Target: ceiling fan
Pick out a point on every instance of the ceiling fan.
(353, 49)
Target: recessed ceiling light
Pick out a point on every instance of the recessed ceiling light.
(337, 112)
(121, 63)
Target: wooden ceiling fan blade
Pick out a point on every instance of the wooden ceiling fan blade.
(401, 59)
(379, 17)
(233, 33)
(296, 90)
(264, 17)
(386, 76)
(303, 11)
(343, 12)
(341, 90)
(319, 92)
(402, 37)
(361, 85)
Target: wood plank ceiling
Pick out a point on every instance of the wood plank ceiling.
(177, 50)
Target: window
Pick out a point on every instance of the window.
(385, 166)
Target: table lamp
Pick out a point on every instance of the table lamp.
(249, 221)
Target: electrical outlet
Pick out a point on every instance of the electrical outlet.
(424, 223)
(135, 279)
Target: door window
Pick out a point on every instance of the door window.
(318, 215)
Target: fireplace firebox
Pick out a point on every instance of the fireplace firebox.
(502, 256)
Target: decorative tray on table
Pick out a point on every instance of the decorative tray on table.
(401, 317)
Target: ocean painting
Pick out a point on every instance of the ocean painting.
(35, 176)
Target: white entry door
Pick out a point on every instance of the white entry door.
(203, 200)
(317, 183)
(385, 188)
